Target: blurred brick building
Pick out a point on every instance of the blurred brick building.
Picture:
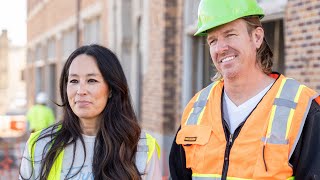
(13, 102)
(4, 63)
(12, 84)
(54, 29)
(164, 63)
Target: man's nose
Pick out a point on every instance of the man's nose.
(221, 46)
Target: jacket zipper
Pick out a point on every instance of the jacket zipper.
(230, 140)
(226, 157)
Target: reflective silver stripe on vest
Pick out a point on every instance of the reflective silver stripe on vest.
(142, 153)
(302, 124)
(199, 105)
(41, 148)
(214, 177)
(229, 178)
(283, 105)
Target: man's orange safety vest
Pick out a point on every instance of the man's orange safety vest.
(263, 147)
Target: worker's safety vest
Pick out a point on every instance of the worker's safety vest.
(146, 147)
(263, 147)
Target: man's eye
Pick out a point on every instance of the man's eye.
(230, 35)
(213, 42)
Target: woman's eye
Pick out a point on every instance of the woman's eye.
(73, 81)
(92, 80)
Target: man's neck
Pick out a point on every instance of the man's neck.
(239, 90)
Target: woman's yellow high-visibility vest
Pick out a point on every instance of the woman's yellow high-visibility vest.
(146, 147)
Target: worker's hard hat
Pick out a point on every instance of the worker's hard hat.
(213, 13)
(41, 98)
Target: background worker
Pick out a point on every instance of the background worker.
(249, 123)
(40, 116)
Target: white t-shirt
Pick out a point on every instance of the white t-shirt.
(234, 115)
(153, 171)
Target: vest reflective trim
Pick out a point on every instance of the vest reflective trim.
(36, 154)
(33, 137)
(39, 150)
(302, 125)
(142, 153)
(283, 110)
(196, 176)
(199, 106)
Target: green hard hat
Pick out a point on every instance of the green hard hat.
(213, 13)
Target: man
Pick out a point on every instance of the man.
(40, 116)
(250, 123)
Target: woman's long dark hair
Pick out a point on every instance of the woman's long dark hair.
(116, 141)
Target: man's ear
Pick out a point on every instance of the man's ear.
(258, 35)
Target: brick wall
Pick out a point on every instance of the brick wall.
(302, 42)
(48, 19)
(52, 14)
(172, 62)
(162, 82)
(178, 62)
(161, 94)
(152, 93)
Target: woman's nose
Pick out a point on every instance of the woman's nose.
(81, 89)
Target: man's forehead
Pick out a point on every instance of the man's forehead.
(225, 28)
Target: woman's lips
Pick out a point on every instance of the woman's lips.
(83, 103)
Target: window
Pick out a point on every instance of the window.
(29, 56)
(51, 86)
(202, 68)
(22, 75)
(51, 49)
(38, 53)
(69, 42)
(275, 37)
(92, 31)
(39, 81)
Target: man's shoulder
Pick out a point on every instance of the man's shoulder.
(315, 106)
(209, 87)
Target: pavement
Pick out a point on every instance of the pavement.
(11, 150)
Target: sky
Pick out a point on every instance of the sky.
(13, 18)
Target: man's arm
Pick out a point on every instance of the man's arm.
(177, 162)
(306, 156)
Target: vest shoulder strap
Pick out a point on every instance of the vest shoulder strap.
(284, 110)
(199, 105)
(146, 147)
(38, 148)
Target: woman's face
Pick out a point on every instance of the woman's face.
(86, 89)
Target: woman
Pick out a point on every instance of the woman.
(99, 136)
